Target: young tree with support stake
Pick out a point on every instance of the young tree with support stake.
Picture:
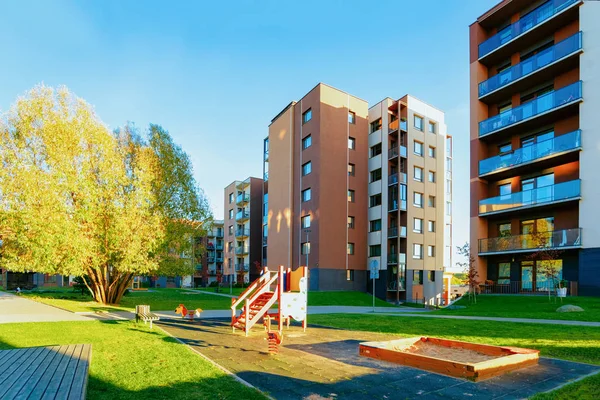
(470, 267)
(547, 255)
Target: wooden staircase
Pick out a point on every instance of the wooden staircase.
(255, 309)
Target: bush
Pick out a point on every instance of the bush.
(213, 284)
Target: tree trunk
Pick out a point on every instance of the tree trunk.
(108, 291)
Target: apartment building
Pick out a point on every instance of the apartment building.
(316, 189)
(410, 208)
(535, 97)
(210, 268)
(242, 230)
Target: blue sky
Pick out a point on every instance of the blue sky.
(215, 73)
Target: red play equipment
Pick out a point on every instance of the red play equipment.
(181, 309)
(287, 288)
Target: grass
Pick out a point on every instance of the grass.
(344, 298)
(527, 307)
(575, 343)
(132, 362)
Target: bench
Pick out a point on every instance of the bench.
(143, 313)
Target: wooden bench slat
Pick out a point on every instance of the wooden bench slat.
(4, 354)
(54, 384)
(9, 368)
(79, 386)
(29, 376)
(37, 374)
(43, 382)
(13, 355)
(14, 376)
(67, 379)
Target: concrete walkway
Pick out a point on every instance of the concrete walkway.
(19, 309)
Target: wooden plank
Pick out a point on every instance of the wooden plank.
(12, 356)
(15, 375)
(62, 391)
(79, 386)
(11, 366)
(43, 382)
(39, 373)
(4, 354)
(28, 377)
(54, 383)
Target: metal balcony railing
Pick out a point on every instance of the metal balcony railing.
(533, 108)
(526, 23)
(559, 239)
(565, 191)
(558, 145)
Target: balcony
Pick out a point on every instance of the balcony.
(509, 35)
(219, 233)
(394, 125)
(392, 259)
(242, 215)
(212, 271)
(242, 250)
(219, 246)
(266, 176)
(243, 184)
(546, 61)
(219, 259)
(242, 233)
(542, 105)
(546, 195)
(264, 240)
(394, 179)
(242, 267)
(242, 198)
(567, 143)
(556, 240)
(266, 155)
(393, 232)
(210, 259)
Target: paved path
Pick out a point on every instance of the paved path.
(19, 309)
(231, 296)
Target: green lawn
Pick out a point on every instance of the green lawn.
(527, 307)
(346, 298)
(574, 343)
(132, 362)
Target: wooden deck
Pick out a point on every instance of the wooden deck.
(57, 372)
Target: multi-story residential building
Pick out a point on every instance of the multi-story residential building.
(29, 280)
(315, 197)
(410, 183)
(242, 230)
(210, 267)
(535, 96)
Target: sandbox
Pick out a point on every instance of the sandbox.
(451, 357)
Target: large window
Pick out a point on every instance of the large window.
(306, 142)
(418, 174)
(351, 117)
(375, 200)
(418, 199)
(431, 127)
(350, 249)
(306, 195)
(417, 251)
(504, 273)
(351, 196)
(307, 116)
(306, 221)
(306, 168)
(418, 225)
(376, 175)
(375, 150)
(376, 125)
(375, 250)
(418, 123)
(418, 148)
(375, 225)
(351, 143)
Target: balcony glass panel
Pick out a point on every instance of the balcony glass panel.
(243, 198)
(392, 258)
(560, 144)
(242, 232)
(393, 152)
(539, 196)
(393, 179)
(242, 215)
(541, 240)
(532, 64)
(532, 108)
(403, 151)
(526, 23)
(404, 125)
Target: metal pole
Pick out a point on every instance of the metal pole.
(398, 284)
(373, 278)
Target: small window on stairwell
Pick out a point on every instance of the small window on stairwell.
(350, 275)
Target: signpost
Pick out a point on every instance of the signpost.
(374, 269)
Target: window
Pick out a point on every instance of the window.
(351, 117)
(431, 226)
(375, 200)
(448, 208)
(431, 201)
(350, 222)
(307, 116)
(350, 249)
(376, 125)
(351, 196)
(417, 251)
(431, 127)
(431, 177)
(431, 251)
(306, 221)
(376, 150)
(230, 198)
(431, 152)
(431, 276)
(418, 148)
(307, 168)
(504, 273)
(505, 229)
(376, 175)
(231, 214)
(418, 174)
(305, 248)
(418, 199)
(306, 142)
(231, 229)
(351, 143)
(418, 122)
(375, 225)
(418, 225)
(375, 251)
(418, 277)
(230, 245)
(349, 274)
(306, 195)
(351, 169)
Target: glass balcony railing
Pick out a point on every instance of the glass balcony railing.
(219, 259)
(526, 23)
(242, 215)
(242, 232)
(403, 125)
(531, 109)
(560, 144)
(243, 198)
(394, 125)
(242, 250)
(531, 242)
(242, 267)
(392, 259)
(530, 65)
(394, 230)
(219, 246)
(266, 176)
(393, 152)
(395, 178)
(540, 196)
(393, 205)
